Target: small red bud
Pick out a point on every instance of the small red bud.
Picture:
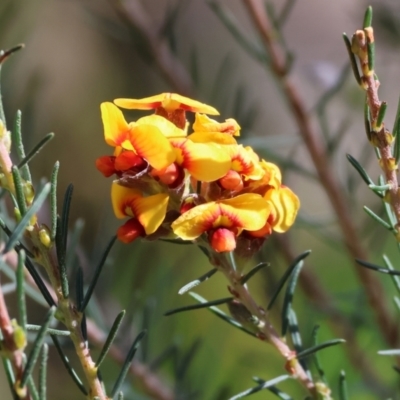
(222, 239)
(167, 175)
(131, 230)
(106, 165)
(231, 181)
(127, 160)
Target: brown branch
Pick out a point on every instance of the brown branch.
(148, 380)
(11, 350)
(372, 287)
(171, 68)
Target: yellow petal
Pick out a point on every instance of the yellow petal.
(116, 129)
(203, 123)
(248, 211)
(150, 211)
(285, 204)
(150, 144)
(213, 137)
(169, 101)
(191, 224)
(167, 128)
(121, 198)
(206, 162)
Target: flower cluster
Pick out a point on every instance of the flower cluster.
(173, 184)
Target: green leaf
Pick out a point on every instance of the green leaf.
(110, 338)
(53, 200)
(36, 150)
(19, 190)
(220, 314)
(96, 275)
(198, 306)
(19, 146)
(367, 17)
(343, 392)
(287, 301)
(286, 275)
(43, 372)
(251, 273)
(352, 59)
(36, 346)
(20, 228)
(127, 363)
(262, 386)
(197, 281)
(377, 268)
(20, 278)
(378, 218)
(310, 351)
(68, 366)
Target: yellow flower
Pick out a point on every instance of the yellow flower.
(146, 213)
(147, 138)
(248, 211)
(169, 101)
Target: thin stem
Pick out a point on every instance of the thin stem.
(330, 184)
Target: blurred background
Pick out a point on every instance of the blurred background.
(81, 53)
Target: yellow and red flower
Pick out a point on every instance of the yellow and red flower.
(171, 106)
(223, 220)
(146, 213)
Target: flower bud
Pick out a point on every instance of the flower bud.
(130, 231)
(232, 181)
(45, 237)
(222, 239)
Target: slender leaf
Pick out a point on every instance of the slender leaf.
(53, 200)
(36, 150)
(286, 275)
(287, 301)
(127, 363)
(19, 146)
(50, 331)
(96, 275)
(377, 268)
(352, 59)
(37, 345)
(251, 273)
(19, 190)
(308, 352)
(20, 278)
(197, 281)
(262, 386)
(39, 282)
(343, 393)
(377, 218)
(20, 228)
(67, 365)
(368, 17)
(199, 306)
(110, 338)
(395, 278)
(220, 314)
(43, 372)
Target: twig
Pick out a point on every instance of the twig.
(10, 348)
(171, 68)
(313, 288)
(316, 150)
(147, 380)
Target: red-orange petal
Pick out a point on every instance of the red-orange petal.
(105, 165)
(130, 231)
(127, 160)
